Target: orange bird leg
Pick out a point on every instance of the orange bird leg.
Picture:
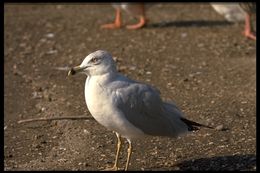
(142, 20)
(116, 24)
(141, 23)
(247, 31)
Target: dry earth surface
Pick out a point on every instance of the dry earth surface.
(188, 51)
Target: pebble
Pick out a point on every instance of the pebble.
(132, 68)
(43, 40)
(89, 39)
(86, 131)
(16, 71)
(63, 99)
(36, 95)
(148, 72)
(183, 35)
(62, 148)
(50, 35)
(51, 52)
(210, 83)
(195, 88)
(27, 79)
(172, 67)
(122, 68)
(62, 160)
(177, 59)
(23, 131)
(224, 139)
(220, 127)
(200, 45)
(22, 44)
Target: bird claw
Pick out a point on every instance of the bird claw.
(136, 26)
(139, 25)
(250, 35)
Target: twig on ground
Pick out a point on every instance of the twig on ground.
(54, 118)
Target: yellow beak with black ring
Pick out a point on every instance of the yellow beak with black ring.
(75, 70)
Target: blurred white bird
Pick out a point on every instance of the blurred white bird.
(236, 12)
(133, 9)
(231, 11)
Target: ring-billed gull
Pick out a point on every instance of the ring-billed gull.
(131, 109)
(133, 9)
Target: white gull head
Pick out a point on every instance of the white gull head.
(97, 63)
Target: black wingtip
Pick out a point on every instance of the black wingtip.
(193, 126)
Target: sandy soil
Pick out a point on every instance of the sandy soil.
(187, 51)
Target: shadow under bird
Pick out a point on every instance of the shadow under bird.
(129, 108)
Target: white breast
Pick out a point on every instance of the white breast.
(102, 109)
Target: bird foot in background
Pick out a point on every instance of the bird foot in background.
(141, 24)
(250, 35)
(111, 26)
(136, 26)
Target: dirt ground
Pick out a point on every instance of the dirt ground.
(188, 51)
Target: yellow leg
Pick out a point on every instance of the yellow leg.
(118, 150)
(129, 152)
(115, 167)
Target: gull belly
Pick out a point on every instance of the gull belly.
(102, 108)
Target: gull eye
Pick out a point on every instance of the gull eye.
(94, 60)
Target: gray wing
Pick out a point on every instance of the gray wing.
(142, 106)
